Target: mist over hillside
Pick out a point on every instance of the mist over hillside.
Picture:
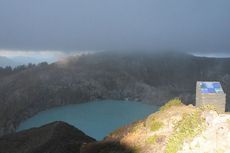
(4, 61)
(22, 60)
(147, 77)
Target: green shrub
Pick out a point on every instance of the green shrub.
(191, 125)
(155, 125)
(152, 139)
(173, 102)
(208, 107)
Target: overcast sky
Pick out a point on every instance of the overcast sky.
(71, 25)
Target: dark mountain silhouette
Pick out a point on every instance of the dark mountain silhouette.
(148, 77)
(56, 137)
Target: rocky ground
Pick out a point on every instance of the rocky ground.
(214, 139)
(178, 129)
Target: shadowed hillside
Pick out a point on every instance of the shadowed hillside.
(56, 137)
(148, 77)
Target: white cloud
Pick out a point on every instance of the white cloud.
(34, 54)
(29, 56)
(217, 55)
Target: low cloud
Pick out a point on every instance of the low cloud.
(42, 54)
(189, 26)
(24, 57)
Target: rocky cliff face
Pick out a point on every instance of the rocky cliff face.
(56, 137)
(146, 77)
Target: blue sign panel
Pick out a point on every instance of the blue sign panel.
(211, 87)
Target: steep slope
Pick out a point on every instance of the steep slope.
(148, 77)
(56, 137)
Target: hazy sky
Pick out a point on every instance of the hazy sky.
(72, 25)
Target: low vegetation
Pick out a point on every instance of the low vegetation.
(152, 139)
(208, 107)
(191, 125)
(155, 125)
(173, 102)
(174, 127)
(136, 126)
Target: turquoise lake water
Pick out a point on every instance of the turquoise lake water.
(96, 119)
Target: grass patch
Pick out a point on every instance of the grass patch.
(136, 126)
(152, 139)
(152, 123)
(208, 107)
(173, 102)
(155, 125)
(191, 125)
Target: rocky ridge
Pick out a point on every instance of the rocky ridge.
(178, 128)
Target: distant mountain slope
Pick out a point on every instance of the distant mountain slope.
(4, 61)
(56, 137)
(22, 60)
(148, 77)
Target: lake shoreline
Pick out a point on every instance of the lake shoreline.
(106, 117)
